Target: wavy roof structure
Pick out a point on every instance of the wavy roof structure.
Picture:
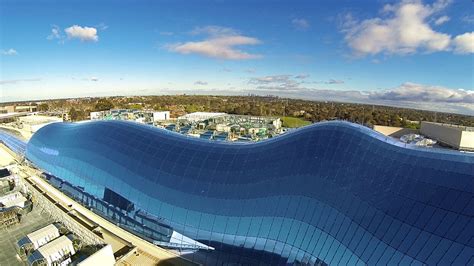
(332, 192)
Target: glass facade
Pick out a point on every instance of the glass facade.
(13, 143)
(331, 193)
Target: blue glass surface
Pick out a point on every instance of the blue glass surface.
(17, 145)
(332, 192)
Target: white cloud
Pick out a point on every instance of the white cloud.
(300, 24)
(276, 83)
(55, 33)
(270, 79)
(302, 76)
(213, 30)
(10, 51)
(413, 92)
(409, 95)
(220, 43)
(464, 44)
(102, 26)
(166, 33)
(334, 81)
(82, 33)
(15, 81)
(468, 19)
(250, 70)
(76, 32)
(403, 29)
(287, 82)
(441, 20)
(93, 79)
(200, 82)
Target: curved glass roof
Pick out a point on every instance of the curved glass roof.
(333, 191)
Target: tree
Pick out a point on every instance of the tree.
(44, 107)
(158, 107)
(395, 120)
(136, 106)
(73, 114)
(193, 108)
(103, 105)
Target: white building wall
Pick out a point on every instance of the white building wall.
(140, 120)
(467, 141)
(52, 258)
(199, 116)
(55, 250)
(103, 257)
(12, 176)
(33, 123)
(10, 197)
(43, 235)
(160, 116)
(277, 123)
(42, 241)
(35, 128)
(222, 128)
(96, 115)
(445, 134)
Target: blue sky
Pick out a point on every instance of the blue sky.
(404, 53)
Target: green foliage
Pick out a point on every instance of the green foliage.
(271, 106)
(73, 114)
(44, 107)
(194, 108)
(158, 107)
(293, 122)
(77, 115)
(103, 105)
(135, 106)
(395, 120)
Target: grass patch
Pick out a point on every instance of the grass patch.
(293, 122)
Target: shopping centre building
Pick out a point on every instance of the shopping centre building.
(331, 193)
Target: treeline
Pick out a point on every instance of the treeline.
(264, 106)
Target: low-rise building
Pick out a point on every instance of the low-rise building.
(139, 116)
(9, 117)
(5, 186)
(13, 204)
(230, 127)
(18, 109)
(223, 128)
(13, 199)
(4, 172)
(55, 245)
(26, 108)
(42, 236)
(6, 175)
(65, 116)
(56, 252)
(395, 132)
(458, 137)
(102, 257)
(199, 116)
(33, 123)
(161, 116)
(8, 217)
